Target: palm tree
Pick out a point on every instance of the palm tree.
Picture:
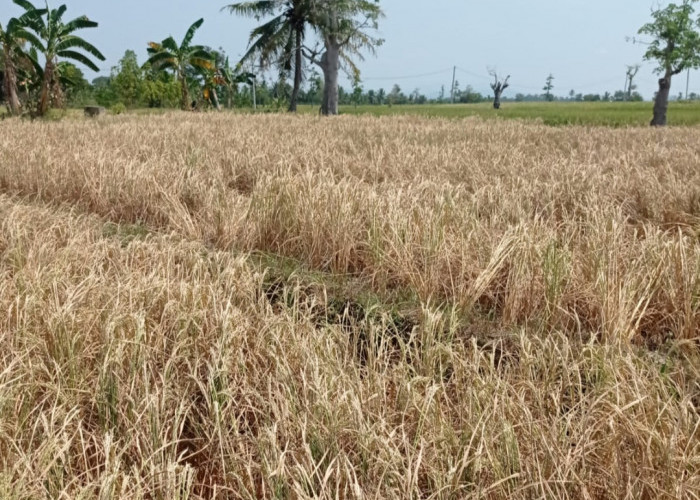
(169, 55)
(12, 40)
(56, 39)
(280, 39)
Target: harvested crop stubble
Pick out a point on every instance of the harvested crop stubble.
(547, 283)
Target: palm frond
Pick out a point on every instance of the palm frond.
(25, 4)
(77, 56)
(253, 9)
(269, 39)
(27, 19)
(76, 24)
(200, 52)
(55, 15)
(33, 17)
(170, 44)
(199, 62)
(73, 41)
(190, 33)
(34, 41)
(161, 58)
(154, 47)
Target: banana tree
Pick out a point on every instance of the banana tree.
(212, 79)
(13, 37)
(168, 55)
(56, 39)
(231, 77)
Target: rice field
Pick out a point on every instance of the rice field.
(289, 307)
(559, 113)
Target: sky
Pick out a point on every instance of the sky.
(583, 43)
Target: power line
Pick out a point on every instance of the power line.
(475, 75)
(407, 77)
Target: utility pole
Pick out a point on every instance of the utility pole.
(687, 84)
(452, 92)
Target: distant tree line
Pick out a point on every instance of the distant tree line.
(305, 42)
(132, 84)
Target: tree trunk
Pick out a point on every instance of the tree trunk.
(185, 103)
(297, 74)
(330, 64)
(46, 84)
(496, 100)
(10, 87)
(661, 101)
(215, 99)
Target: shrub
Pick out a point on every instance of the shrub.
(118, 109)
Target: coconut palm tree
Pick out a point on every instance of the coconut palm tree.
(12, 40)
(281, 39)
(56, 39)
(168, 55)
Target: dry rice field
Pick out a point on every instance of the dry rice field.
(288, 307)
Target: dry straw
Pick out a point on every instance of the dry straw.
(218, 306)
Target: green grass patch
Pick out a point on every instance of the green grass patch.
(610, 114)
(126, 233)
(558, 113)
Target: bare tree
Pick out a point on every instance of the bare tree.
(629, 85)
(498, 88)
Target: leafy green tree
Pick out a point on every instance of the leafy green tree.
(674, 45)
(279, 40)
(381, 96)
(78, 91)
(168, 55)
(396, 96)
(344, 27)
(103, 91)
(469, 95)
(127, 80)
(160, 89)
(57, 39)
(12, 41)
(548, 87)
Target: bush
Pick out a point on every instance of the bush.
(118, 109)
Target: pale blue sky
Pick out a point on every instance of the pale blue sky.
(582, 42)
